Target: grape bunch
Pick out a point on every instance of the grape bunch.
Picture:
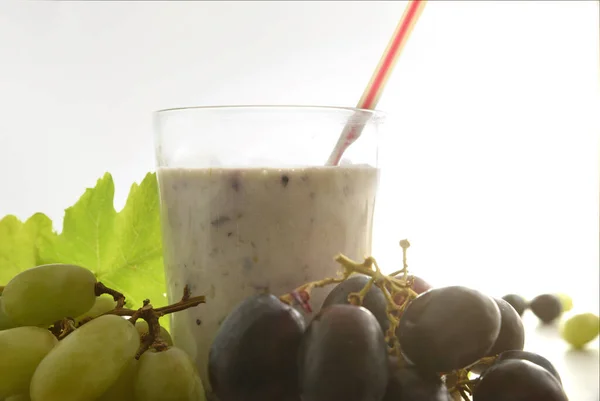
(66, 337)
(377, 337)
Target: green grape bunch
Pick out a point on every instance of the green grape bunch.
(64, 336)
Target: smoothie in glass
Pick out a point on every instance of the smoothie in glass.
(233, 227)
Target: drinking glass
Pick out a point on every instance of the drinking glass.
(249, 206)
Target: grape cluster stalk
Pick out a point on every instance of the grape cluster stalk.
(391, 286)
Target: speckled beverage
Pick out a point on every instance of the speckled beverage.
(230, 232)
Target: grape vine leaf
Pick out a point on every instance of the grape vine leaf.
(123, 249)
(18, 250)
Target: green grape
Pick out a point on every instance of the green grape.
(142, 328)
(122, 389)
(168, 376)
(42, 295)
(578, 330)
(87, 362)
(566, 301)
(20, 397)
(21, 351)
(5, 321)
(102, 304)
(199, 393)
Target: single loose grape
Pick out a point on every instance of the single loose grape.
(87, 362)
(547, 307)
(580, 329)
(566, 301)
(104, 303)
(42, 295)
(167, 376)
(21, 351)
(142, 328)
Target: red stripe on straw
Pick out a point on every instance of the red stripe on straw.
(391, 55)
(378, 80)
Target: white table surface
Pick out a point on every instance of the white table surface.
(579, 369)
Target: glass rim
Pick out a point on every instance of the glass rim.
(378, 114)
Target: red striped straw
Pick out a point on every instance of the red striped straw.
(374, 89)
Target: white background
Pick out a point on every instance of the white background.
(491, 155)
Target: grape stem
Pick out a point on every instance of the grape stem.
(458, 383)
(303, 292)
(487, 361)
(390, 286)
(117, 296)
(67, 327)
(151, 316)
(467, 384)
(147, 312)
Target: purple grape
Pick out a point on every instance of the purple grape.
(512, 333)
(374, 301)
(547, 307)
(531, 357)
(517, 302)
(343, 356)
(253, 356)
(417, 284)
(518, 380)
(409, 384)
(448, 328)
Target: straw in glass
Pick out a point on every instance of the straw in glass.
(374, 89)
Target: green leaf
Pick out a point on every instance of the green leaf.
(18, 250)
(87, 238)
(139, 268)
(124, 250)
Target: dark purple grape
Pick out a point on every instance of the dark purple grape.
(253, 356)
(343, 356)
(531, 357)
(547, 307)
(418, 284)
(518, 380)
(374, 301)
(448, 328)
(517, 302)
(512, 333)
(409, 384)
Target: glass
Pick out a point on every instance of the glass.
(248, 205)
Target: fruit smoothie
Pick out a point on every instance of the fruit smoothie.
(230, 233)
